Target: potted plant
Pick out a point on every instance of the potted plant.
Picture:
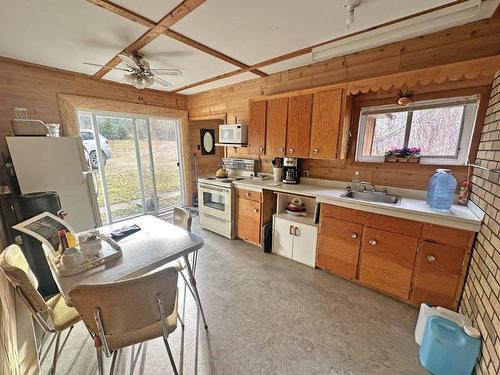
(403, 155)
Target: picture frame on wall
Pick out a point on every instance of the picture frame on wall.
(207, 141)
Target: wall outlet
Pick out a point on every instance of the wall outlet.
(306, 173)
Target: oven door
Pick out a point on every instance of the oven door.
(215, 201)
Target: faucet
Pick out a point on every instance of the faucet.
(366, 186)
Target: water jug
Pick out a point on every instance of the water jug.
(448, 349)
(431, 185)
(443, 191)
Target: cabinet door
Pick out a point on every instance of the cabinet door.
(248, 220)
(277, 114)
(304, 244)
(282, 237)
(387, 261)
(257, 128)
(437, 274)
(299, 126)
(325, 125)
(338, 247)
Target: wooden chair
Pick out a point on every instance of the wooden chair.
(129, 312)
(54, 315)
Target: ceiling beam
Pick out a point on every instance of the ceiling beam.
(175, 15)
(126, 13)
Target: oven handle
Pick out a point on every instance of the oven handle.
(214, 217)
(214, 188)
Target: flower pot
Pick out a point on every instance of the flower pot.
(398, 159)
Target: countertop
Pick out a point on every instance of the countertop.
(412, 204)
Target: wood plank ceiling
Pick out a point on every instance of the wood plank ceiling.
(207, 40)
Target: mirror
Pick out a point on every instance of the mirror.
(207, 141)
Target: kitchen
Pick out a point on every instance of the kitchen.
(340, 193)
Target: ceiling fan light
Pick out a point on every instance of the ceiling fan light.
(130, 78)
(149, 80)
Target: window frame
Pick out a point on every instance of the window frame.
(471, 105)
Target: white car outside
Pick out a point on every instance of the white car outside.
(90, 145)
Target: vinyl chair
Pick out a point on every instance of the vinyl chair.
(182, 218)
(129, 312)
(54, 315)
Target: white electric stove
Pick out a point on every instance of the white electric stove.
(216, 199)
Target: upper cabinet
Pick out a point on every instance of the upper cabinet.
(257, 128)
(312, 123)
(325, 125)
(277, 115)
(299, 126)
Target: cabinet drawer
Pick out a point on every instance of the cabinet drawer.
(383, 222)
(437, 274)
(387, 261)
(448, 236)
(248, 223)
(249, 194)
(338, 247)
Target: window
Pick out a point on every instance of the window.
(442, 129)
(86, 136)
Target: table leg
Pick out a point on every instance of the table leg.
(192, 281)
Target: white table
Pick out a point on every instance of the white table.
(156, 244)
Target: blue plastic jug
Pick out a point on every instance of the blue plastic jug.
(443, 190)
(448, 349)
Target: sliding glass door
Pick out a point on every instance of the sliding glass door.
(135, 161)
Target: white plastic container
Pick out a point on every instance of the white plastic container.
(427, 311)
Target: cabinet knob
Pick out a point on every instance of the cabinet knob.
(372, 242)
(248, 194)
(282, 149)
(316, 150)
(261, 148)
(290, 150)
(255, 210)
(354, 235)
(295, 231)
(431, 258)
(291, 229)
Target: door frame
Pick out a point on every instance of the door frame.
(69, 105)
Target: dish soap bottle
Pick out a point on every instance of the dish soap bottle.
(356, 182)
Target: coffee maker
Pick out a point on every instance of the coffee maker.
(291, 173)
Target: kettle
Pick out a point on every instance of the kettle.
(221, 172)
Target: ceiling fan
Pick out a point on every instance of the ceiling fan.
(139, 73)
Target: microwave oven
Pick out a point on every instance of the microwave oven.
(233, 134)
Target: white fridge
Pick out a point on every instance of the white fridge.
(57, 164)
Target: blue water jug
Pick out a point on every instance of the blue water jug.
(447, 349)
(443, 190)
(431, 185)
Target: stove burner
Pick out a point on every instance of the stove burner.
(239, 178)
(227, 181)
(210, 178)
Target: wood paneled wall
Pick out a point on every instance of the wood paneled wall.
(206, 164)
(36, 88)
(470, 41)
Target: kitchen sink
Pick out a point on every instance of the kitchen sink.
(372, 196)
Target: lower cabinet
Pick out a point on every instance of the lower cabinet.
(294, 240)
(386, 261)
(248, 220)
(412, 261)
(339, 242)
(438, 272)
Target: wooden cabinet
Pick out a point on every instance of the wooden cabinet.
(438, 271)
(277, 115)
(298, 126)
(415, 262)
(253, 210)
(338, 247)
(294, 240)
(248, 220)
(257, 128)
(386, 261)
(325, 124)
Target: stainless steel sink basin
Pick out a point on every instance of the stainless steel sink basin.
(372, 196)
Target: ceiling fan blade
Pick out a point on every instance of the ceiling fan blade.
(162, 81)
(104, 66)
(130, 61)
(167, 72)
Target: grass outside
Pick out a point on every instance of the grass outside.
(123, 180)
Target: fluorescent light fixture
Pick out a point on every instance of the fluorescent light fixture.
(424, 24)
